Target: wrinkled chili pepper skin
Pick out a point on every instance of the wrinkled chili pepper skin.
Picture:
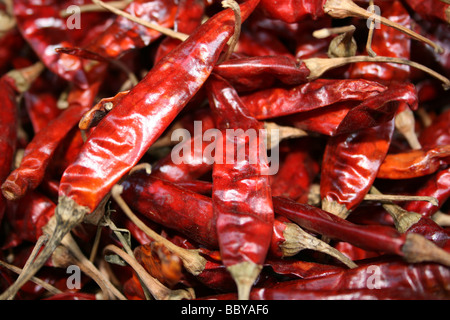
(40, 150)
(414, 163)
(398, 281)
(277, 102)
(241, 194)
(351, 162)
(438, 133)
(8, 129)
(292, 11)
(123, 35)
(115, 146)
(372, 238)
(438, 186)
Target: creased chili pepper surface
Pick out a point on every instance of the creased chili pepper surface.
(242, 200)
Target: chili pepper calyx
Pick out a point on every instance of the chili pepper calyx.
(418, 249)
(23, 78)
(244, 274)
(335, 208)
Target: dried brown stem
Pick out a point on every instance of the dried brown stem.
(369, 49)
(405, 124)
(283, 132)
(237, 27)
(23, 78)
(418, 249)
(121, 4)
(244, 274)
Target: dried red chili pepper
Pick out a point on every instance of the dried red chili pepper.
(241, 195)
(414, 163)
(190, 65)
(438, 186)
(387, 42)
(44, 144)
(278, 102)
(375, 280)
(437, 133)
(350, 165)
(369, 237)
(123, 35)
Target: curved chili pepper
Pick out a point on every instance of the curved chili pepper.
(39, 151)
(350, 165)
(44, 37)
(241, 195)
(438, 133)
(378, 280)
(414, 163)
(293, 11)
(277, 102)
(438, 186)
(123, 35)
(150, 107)
(368, 237)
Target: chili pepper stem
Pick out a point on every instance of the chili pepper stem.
(23, 78)
(47, 286)
(369, 49)
(418, 249)
(335, 208)
(318, 66)
(67, 215)
(297, 240)
(166, 31)
(157, 289)
(346, 8)
(237, 27)
(244, 274)
(192, 260)
(405, 124)
(441, 219)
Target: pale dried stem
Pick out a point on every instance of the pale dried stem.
(418, 249)
(326, 32)
(405, 124)
(369, 49)
(192, 260)
(47, 286)
(244, 274)
(237, 27)
(441, 218)
(156, 288)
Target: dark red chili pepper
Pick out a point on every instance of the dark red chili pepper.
(414, 163)
(241, 195)
(368, 237)
(350, 165)
(151, 107)
(278, 102)
(438, 186)
(375, 280)
(438, 133)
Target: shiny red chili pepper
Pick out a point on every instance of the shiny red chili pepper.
(150, 106)
(350, 165)
(438, 133)
(39, 151)
(320, 93)
(438, 186)
(414, 163)
(241, 195)
(122, 35)
(293, 11)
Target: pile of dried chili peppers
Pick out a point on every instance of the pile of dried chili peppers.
(223, 150)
